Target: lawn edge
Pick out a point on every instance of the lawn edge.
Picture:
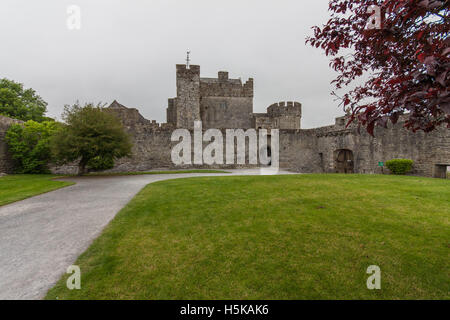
(68, 184)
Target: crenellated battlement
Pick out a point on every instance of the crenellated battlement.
(184, 71)
(281, 115)
(285, 108)
(248, 88)
(223, 86)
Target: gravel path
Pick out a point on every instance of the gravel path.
(41, 236)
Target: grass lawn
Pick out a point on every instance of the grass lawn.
(273, 237)
(20, 186)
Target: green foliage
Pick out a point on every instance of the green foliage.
(399, 166)
(29, 145)
(101, 163)
(18, 103)
(91, 136)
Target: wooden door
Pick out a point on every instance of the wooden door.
(344, 161)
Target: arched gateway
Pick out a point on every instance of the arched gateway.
(344, 161)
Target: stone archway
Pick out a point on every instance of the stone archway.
(344, 161)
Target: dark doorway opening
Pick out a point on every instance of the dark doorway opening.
(322, 167)
(269, 155)
(442, 171)
(344, 161)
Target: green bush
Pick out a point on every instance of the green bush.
(90, 136)
(399, 166)
(101, 163)
(29, 145)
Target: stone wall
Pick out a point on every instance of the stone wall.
(6, 163)
(226, 103)
(312, 150)
(315, 150)
(226, 112)
(307, 151)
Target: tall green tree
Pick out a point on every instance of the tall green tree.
(29, 144)
(91, 136)
(19, 103)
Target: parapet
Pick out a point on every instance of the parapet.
(289, 108)
(223, 76)
(223, 86)
(184, 71)
(248, 88)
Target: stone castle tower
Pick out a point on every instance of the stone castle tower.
(185, 109)
(224, 103)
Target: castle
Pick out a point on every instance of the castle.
(223, 103)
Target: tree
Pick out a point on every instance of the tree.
(18, 103)
(403, 48)
(29, 145)
(91, 136)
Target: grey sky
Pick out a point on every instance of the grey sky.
(127, 50)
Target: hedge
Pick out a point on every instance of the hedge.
(399, 166)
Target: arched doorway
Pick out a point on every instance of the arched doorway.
(344, 161)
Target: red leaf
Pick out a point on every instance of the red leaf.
(420, 34)
(421, 57)
(346, 102)
(406, 61)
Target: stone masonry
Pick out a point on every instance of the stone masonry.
(224, 103)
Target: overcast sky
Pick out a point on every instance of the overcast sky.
(127, 50)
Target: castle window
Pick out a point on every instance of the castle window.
(223, 105)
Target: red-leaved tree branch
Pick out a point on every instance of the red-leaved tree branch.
(403, 48)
